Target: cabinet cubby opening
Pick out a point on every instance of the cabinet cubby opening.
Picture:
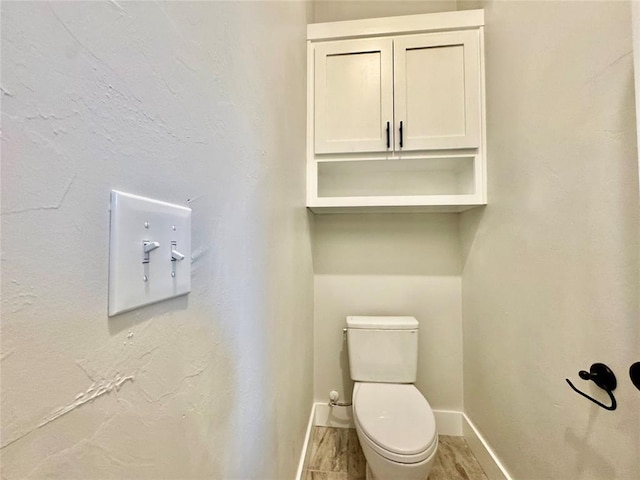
(397, 177)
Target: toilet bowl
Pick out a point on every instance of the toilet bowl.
(397, 430)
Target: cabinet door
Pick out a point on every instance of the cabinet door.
(437, 90)
(353, 96)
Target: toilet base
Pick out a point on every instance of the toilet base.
(380, 468)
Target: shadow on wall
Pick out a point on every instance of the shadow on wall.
(128, 320)
(588, 460)
(387, 244)
(470, 222)
(331, 10)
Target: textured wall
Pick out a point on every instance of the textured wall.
(635, 20)
(194, 103)
(390, 265)
(550, 279)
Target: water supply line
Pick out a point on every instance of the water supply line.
(334, 396)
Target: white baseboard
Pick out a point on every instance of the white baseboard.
(448, 422)
(306, 450)
(487, 458)
(339, 417)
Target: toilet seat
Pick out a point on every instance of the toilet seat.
(395, 420)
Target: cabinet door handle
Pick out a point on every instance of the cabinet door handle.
(400, 133)
(388, 137)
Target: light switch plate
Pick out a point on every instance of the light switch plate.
(137, 278)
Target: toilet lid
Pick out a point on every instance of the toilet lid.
(395, 416)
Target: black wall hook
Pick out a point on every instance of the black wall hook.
(602, 376)
(634, 373)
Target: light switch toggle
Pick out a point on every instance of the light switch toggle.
(148, 247)
(175, 254)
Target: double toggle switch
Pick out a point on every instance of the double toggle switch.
(148, 246)
(150, 251)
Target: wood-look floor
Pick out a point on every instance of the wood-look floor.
(336, 455)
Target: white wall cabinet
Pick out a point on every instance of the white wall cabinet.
(396, 114)
(418, 92)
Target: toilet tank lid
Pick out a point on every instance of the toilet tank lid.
(383, 323)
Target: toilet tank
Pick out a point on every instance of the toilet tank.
(383, 349)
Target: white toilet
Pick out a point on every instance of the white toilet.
(394, 422)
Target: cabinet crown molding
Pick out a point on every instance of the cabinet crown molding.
(406, 24)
